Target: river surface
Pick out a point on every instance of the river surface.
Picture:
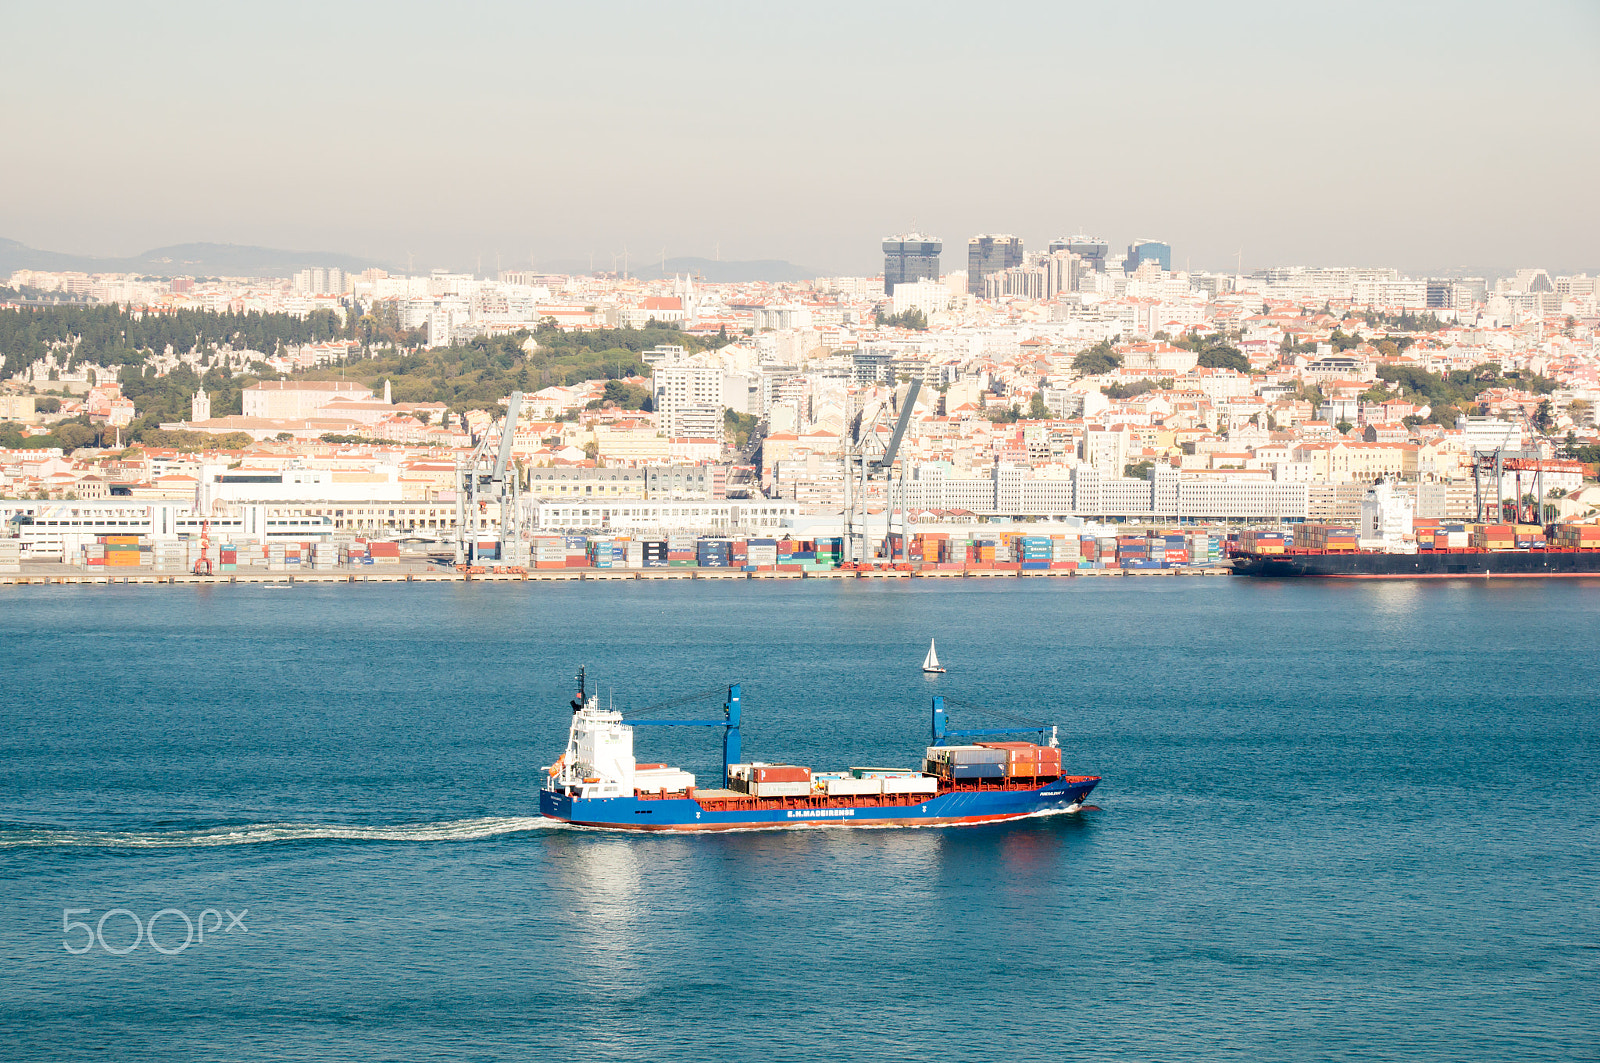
(1337, 823)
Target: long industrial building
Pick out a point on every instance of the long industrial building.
(1011, 491)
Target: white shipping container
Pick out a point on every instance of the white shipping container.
(780, 789)
(944, 754)
(654, 780)
(854, 786)
(910, 784)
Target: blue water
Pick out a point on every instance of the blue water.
(1338, 823)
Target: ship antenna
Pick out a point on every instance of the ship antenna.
(578, 701)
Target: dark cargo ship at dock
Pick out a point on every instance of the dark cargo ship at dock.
(1451, 564)
(1390, 544)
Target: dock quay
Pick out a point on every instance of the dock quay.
(56, 574)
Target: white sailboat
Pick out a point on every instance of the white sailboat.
(930, 663)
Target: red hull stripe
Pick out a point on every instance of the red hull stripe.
(942, 821)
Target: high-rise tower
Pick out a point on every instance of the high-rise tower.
(1142, 251)
(988, 254)
(1091, 249)
(910, 257)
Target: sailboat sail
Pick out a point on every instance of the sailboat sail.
(931, 662)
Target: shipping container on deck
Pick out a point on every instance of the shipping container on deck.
(969, 754)
(851, 787)
(779, 773)
(1575, 536)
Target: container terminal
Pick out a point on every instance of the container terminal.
(596, 782)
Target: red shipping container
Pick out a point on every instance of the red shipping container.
(780, 773)
(384, 549)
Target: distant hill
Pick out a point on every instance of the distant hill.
(239, 260)
(183, 260)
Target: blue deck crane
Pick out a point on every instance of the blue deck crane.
(941, 729)
(729, 723)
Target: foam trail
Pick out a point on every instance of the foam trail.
(458, 830)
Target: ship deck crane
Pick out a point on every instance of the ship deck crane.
(729, 722)
(941, 726)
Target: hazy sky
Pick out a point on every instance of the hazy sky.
(1416, 134)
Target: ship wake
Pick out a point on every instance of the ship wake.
(458, 830)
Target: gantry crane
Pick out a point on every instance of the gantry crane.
(856, 458)
(1494, 464)
(480, 481)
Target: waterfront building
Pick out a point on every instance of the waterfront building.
(724, 517)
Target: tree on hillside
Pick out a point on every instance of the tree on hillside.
(1101, 358)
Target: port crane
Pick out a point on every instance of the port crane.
(481, 479)
(856, 458)
(1493, 465)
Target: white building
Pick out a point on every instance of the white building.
(321, 280)
(294, 400)
(927, 296)
(689, 393)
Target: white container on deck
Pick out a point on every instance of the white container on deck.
(780, 789)
(854, 787)
(657, 780)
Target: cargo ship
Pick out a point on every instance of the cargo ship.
(1430, 564)
(1389, 544)
(596, 782)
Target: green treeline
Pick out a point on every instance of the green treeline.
(1215, 352)
(106, 334)
(1450, 393)
(478, 374)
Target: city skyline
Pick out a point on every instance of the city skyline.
(1422, 138)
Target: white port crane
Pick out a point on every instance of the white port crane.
(856, 456)
(480, 481)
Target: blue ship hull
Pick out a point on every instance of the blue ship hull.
(685, 814)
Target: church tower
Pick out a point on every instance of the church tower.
(200, 406)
